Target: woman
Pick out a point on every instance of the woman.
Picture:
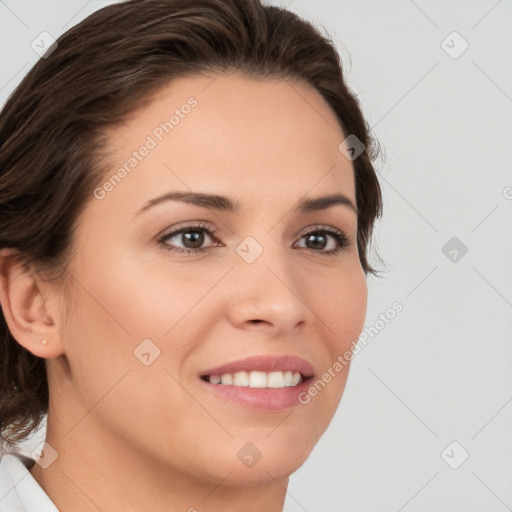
(187, 199)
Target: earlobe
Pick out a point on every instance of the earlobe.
(32, 316)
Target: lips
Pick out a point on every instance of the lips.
(264, 363)
(288, 377)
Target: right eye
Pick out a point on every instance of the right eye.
(194, 235)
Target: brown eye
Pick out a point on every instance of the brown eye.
(318, 240)
(192, 239)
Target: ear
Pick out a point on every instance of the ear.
(30, 308)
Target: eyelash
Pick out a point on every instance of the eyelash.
(342, 240)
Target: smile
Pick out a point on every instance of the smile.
(255, 379)
(265, 382)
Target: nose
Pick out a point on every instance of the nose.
(268, 296)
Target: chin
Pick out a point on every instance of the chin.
(259, 457)
(270, 468)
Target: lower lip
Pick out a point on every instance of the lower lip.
(270, 399)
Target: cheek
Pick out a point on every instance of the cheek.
(342, 307)
(117, 312)
(111, 381)
(142, 299)
(98, 343)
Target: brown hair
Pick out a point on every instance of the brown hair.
(52, 131)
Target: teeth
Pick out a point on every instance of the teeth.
(258, 379)
(241, 379)
(276, 380)
(226, 379)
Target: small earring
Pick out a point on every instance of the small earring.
(44, 342)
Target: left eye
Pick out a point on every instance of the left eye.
(321, 237)
(193, 237)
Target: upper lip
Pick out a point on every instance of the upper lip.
(264, 363)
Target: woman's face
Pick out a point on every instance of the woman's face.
(150, 320)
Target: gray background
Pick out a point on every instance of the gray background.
(440, 371)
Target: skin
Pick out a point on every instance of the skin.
(133, 437)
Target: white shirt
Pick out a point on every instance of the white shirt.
(19, 491)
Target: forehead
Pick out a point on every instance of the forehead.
(232, 135)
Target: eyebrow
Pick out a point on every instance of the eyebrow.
(226, 204)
